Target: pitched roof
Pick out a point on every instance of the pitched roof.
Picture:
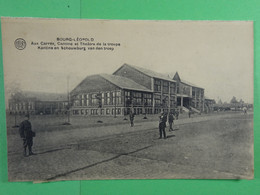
(106, 82)
(124, 83)
(177, 78)
(149, 73)
(189, 83)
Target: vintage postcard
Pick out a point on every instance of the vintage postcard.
(128, 99)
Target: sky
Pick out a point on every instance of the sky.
(215, 55)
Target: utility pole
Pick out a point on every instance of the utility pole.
(68, 83)
(115, 105)
(68, 106)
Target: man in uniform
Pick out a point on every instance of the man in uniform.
(170, 120)
(132, 116)
(162, 125)
(27, 135)
(177, 113)
(190, 112)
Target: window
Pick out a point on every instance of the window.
(85, 102)
(76, 112)
(147, 99)
(107, 99)
(94, 111)
(118, 97)
(157, 99)
(127, 99)
(157, 85)
(172, 101)
(113, 98)
(107, 111)
(193, 92)
(94, 99)
(165, 87)
(86, 111)
(76, 103)
(178, 88)
(118, 111)
(172, 88)
(137, 98)
(186, 90)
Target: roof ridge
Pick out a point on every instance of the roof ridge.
(151, 73)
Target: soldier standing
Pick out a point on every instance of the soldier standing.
(177, 113)
(170, 120)
(190, 112)
(132, 116)
(162, 125)
(27, 135)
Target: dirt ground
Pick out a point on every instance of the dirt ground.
(205, 146)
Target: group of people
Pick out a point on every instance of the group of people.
(162, 121)
(26, 133)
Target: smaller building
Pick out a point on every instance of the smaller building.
(37, 103)
(108, 95)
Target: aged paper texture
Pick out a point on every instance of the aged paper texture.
(115, 99)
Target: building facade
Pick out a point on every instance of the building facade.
(37, 103)
(131, 88)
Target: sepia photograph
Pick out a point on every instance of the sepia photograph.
(128, 99)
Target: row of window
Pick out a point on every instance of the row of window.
(106, 98)
(163, 86)
(98, 111)
(22, 106)
(112, 111)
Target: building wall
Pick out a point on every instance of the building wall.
(139, 102)
(135, 75)
(165, 95)
(98, 103)
(198, 98)
(36, 107)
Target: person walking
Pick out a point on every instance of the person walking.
(170, 121)
(27, 135)
(162, 125)
(131, 116)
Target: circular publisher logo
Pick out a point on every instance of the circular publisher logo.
(20, 43)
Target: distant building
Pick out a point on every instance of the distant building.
(37, 103)
(137, 89)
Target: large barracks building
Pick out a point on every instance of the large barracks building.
(137, 89)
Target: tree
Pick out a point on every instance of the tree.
(220, 102)
(16, 96)
(233, 100)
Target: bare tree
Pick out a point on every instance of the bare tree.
(16, 96)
